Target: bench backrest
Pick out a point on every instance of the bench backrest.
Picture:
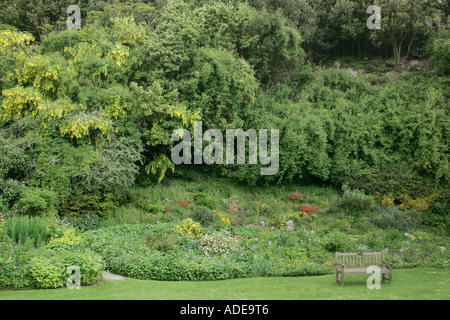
(360, 259)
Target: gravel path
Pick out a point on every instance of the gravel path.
(111, 276)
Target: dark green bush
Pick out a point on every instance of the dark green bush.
(356, 201)
(36, 202)
(161, 242)
(88, 204)
(338, 242)
(205, 216)
(439, 49)
(201, 199)
(11, 191)
(392, 218)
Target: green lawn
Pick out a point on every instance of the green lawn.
(415, 284)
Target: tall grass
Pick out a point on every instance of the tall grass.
(22, 228)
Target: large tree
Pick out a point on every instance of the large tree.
(403, 20)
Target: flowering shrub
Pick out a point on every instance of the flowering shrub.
(183, 202)
(223, 220)
(308, 212)
(189, 228)
(385, 200)
(421, 204)
(218, 243)
(267, 207)
(234, 207)
(295, 197)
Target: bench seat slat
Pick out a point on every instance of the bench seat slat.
(362, 271)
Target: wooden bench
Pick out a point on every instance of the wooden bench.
(357, 263)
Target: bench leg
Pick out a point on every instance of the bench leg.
(342, 280)
(387, 278)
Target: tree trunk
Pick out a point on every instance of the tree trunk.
(409, 46)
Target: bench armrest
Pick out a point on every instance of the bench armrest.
(387, 262)
(341, 264)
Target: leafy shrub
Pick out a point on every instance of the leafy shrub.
(439, 48)
(218, 243)
(337, 242)
(88, 205)
(356, 201)
(438, 216)
(14, 260)
(83, 222)
(14, 276)
(202, 199)
(393, 218)
(37, 202)
(161, 242)
(289, 268)
(189, 228)
(205, 215)
(49, 268)
(10, 191)
(65, 235)
(13, 161)
(222, 220)
(115, 170)
(421, 204)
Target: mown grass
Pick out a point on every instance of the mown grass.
(408, 284)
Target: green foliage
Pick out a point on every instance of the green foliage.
(338, 242)
(79, 205)
(201, 199)
(86, 115)
(11, 190)
(49, 268)
(124, 251)
(221, 86)
(66, 235)
(36, 202)
(439, 48)
(392, 218)
(161, 242)
(356, 201)
(24, 228)
(83, 222)
(205, 215)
